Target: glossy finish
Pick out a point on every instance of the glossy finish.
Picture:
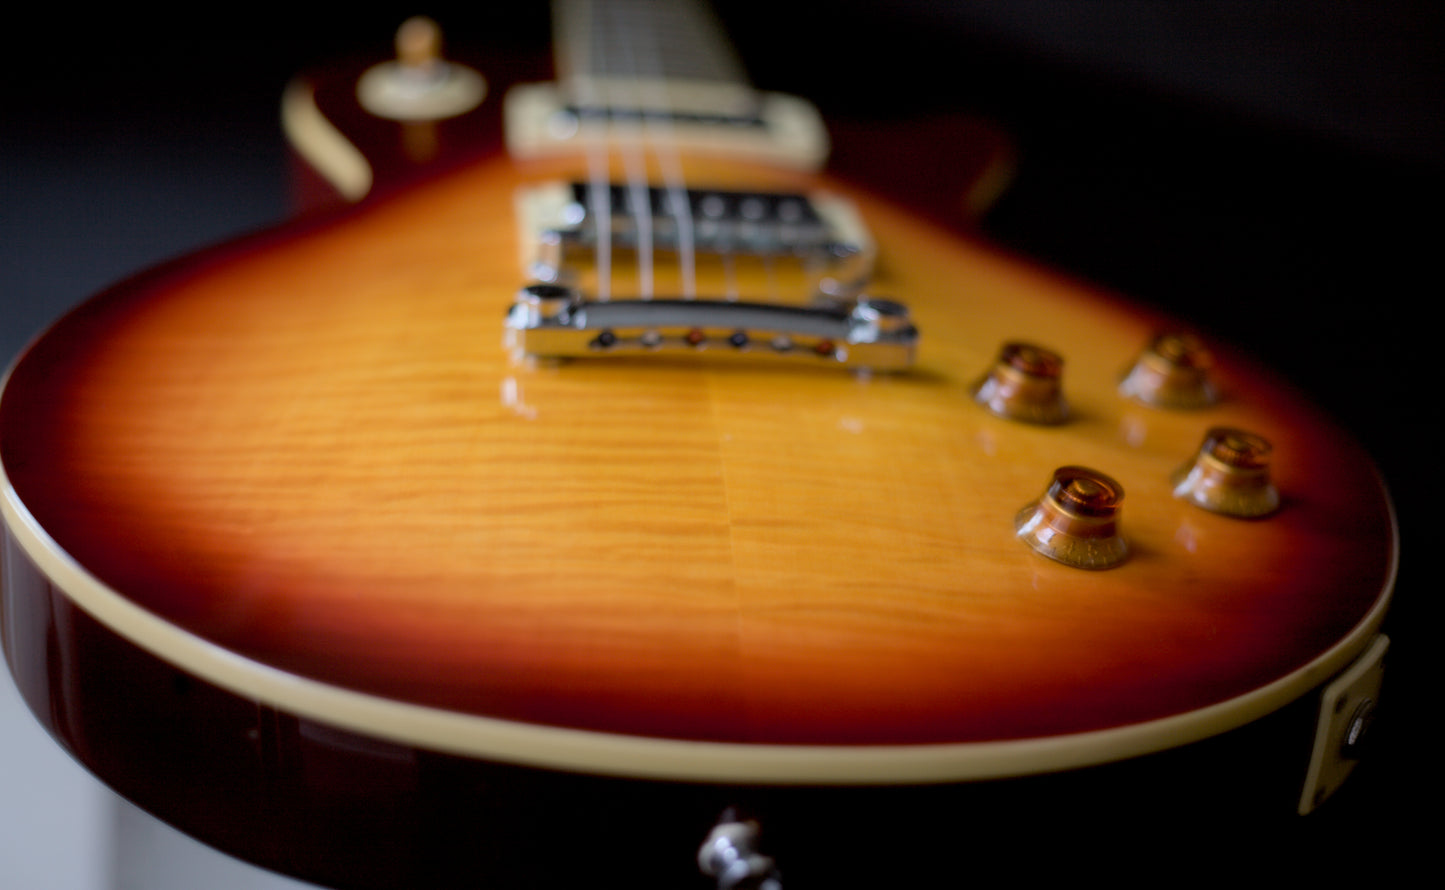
(312, 451)
(352, 811)
(306, 469)
(308, 565)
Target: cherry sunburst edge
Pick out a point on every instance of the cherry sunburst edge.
(1153, 730)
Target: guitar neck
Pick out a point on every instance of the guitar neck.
(620, 57)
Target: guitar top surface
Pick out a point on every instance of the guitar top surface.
(313, 453)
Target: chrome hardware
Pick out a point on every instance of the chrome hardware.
(1229, 475)
(1075, 522)
(730, 855)
(1025, 383)
(551, 321)
(1346, 710)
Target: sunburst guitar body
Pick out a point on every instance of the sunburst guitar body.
(435, 542)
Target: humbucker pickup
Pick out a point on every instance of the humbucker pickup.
(550, 321)
(810, 244)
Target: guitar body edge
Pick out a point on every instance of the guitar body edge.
(632, 756)
(348, 810)
(341, 587)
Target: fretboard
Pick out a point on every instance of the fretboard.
(643, 40)
(651, 73)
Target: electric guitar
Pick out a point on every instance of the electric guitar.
(609, 466)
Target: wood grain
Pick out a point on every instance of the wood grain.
(313, 451)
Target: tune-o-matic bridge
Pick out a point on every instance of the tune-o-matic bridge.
(804, 244)
(551, 321)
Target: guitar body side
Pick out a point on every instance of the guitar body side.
(352, 811)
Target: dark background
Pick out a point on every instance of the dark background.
(1272, 172)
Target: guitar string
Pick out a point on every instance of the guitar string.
(661, 137)
(575, 18)
(633, 152)
(608, 19)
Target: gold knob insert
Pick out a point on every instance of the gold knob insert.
(1076, 521)
(1025, 383)
(1173, 371)
(1229, 475)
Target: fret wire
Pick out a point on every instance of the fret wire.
(690, 39)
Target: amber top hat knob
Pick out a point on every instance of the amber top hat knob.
(1076, 520)
(1229, 475)
(1025, 383)
(1173, 371)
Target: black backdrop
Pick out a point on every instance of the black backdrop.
(1270, 171)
